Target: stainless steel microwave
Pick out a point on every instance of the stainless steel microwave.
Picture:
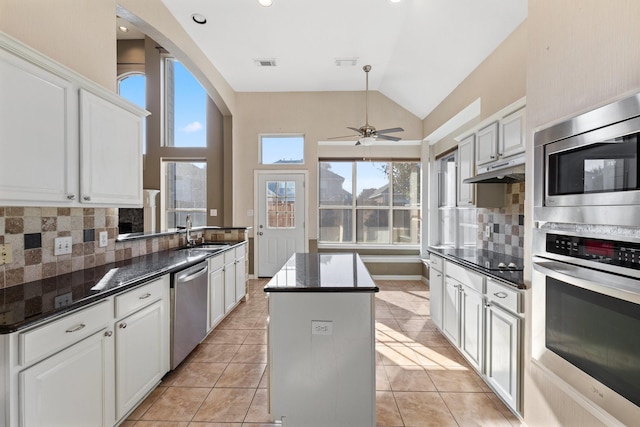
(586, 169)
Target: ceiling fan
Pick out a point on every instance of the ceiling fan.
(367, 134)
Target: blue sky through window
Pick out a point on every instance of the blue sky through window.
(190, 109)
(282, 149)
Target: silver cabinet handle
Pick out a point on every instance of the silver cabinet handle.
(144, 296)
(71, 196)
(487, 305)
(108, 333)
(75, 328)
(87, 198)
(438, 275)
(492, 157)
(501, 294)
(122, 325)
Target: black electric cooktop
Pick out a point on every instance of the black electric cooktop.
(487, 260)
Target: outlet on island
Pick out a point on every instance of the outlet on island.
(321, 327)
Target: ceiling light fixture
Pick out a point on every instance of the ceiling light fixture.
(265, 3)
(367, 140)
(123, 28)
(199, 19)
(395, 1)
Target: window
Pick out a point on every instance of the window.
(184, 193)
(133, 87)
(281, 149)
(185, 107)
(447, 199)
(386, 209)
(281, 204)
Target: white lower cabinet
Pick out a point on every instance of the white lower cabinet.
(229, 281)
(436, 285)
(72, 388)
(140, 355)
(216, 290)
(451, 310)
(483, 319)
(472, 325)
(240, 275)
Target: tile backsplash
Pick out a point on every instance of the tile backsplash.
(31, 231)
(506, 224)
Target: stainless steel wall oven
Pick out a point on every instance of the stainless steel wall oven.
(586, 263)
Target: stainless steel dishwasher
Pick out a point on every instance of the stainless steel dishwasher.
(188, 310)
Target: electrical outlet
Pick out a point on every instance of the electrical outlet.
(487, 231)
(321, 327)
(103, 239)
(62, 300)
(6, 257)
(62, 246)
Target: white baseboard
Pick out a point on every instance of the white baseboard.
(396, 277)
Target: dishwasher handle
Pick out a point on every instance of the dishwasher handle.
(189, 276)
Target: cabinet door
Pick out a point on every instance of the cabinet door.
(229, 287)
(466, 168)
(38, 134)
(241, 280)
(111, 152)
(216, 297)
(141, 355)
(436, 283)
(472, 326)
(503, 354)
(451, 310)
(73, 388)
(512, 140)
(487, 144)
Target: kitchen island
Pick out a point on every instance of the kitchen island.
(321, 338)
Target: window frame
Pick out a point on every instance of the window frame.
(354, 208)
(163, 191)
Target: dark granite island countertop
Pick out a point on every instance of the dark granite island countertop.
(322, 272)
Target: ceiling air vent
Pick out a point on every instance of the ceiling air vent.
(265, 62)
(346, 62)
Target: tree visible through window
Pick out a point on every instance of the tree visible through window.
(185, 193)
(386, 209)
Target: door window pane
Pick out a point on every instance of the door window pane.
(281, 204)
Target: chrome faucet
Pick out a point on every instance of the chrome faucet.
(190, 240)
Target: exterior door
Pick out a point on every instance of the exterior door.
(281, 220)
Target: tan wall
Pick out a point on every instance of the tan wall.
(581, 54)
(317, 115)
(77, 33)
(498, 81)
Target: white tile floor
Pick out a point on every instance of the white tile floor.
(421, 380)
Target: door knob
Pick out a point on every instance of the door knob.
(260, 233)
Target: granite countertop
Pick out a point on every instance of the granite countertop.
(322, 272)
(24, 305)
(486, 262)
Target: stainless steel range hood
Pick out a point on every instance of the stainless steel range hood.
(501, 172)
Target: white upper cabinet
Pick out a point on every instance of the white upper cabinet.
(38, 133)
(511, 139)
(111, 152)
(487, 146)
(64, 140)
(466, 169)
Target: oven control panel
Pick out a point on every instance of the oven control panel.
(614, 252)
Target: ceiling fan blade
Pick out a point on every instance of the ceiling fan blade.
(354, 129)
(345, 136)
(390, 130)
(388, 137)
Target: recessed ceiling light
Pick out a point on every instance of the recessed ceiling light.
(395, 1)
(265, 3)
(198, 19)
(123, 28)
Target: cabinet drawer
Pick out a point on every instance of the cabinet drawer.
(216, 262)
(230, 256)
(58, 334)
(140, 297)
(466, 277)
(240, 251)
(504, 296)
(436, 262)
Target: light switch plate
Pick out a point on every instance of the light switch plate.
(104, 239)
(213, 212)
(321, 327)
(6, 257)
(62, 246)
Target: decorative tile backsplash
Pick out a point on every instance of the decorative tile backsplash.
(32, 231)
(507, 224)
